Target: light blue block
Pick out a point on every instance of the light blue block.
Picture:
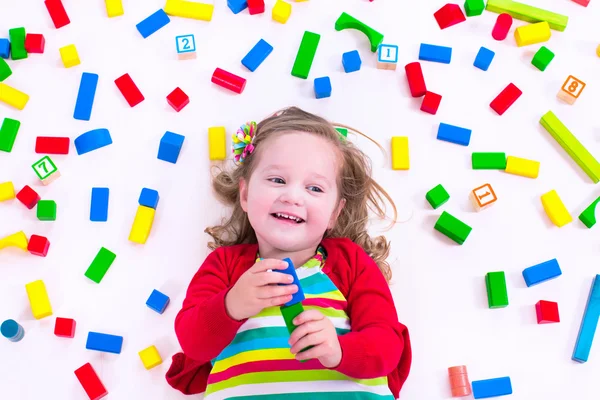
(484, 58)
(541, 272)
(99, 204)
(4, 48)
(237, 6)
(430, 52)
(351, 61)
(589, 323)
(257, 55)
(387, 53)
(149, 198)
(291, 270)
(491, 388)
(104, 342)
(454, 134)
(170, 147)
(158, 301)
(153, 23)
(185, 44)
(85, 96)
(92, 140)
(322, 87)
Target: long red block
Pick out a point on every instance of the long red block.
(90, 382)
(256, 6)
(228, 80)
(65, 327)
(506, 98)
(38, 245)
(449, 15)
(28, 197)
(57, 13)
(502, 26)
(35, 43)
(431, 102)
(178, 99)
(416, 82)
(52, 145)
(129, 90)
(547, 312)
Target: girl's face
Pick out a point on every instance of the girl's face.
(292, 195)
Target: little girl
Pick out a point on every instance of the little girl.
(302, 191)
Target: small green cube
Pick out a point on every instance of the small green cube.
(437, 196)
(542, 58)
(495, 284)
(5, 70)
(474, 7)
(452, 227)
(46, 210)
(100, 265)
(488, 160)
(8, 134)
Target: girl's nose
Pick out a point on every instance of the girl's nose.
(292, 196)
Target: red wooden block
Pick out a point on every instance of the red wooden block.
(178, 99)
(129, 90)
(256, 6)
(35, 43)
(506, 98)
(431, 102)
(28, 196)
(57, 13)
(502, 26)
(547, 312)
(38, 245)
(64, 327)
(91, 383)
(228, 80)
(582, 2)
(416, 82)
(449, 15)
(52, 145)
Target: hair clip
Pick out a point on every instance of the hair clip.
(242, 141)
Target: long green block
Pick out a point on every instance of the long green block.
(100, 265)
(474, 8)
(306, 54)
(5, 70)
(588, 216)
(452, 227)
(571, 145)
(289, 313)
(346, 21)
(495, 283)
(8, 134)
(528, 13)
(481, 160)
(17, 43)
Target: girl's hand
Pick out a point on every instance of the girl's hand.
(314, 329)
(257, 289)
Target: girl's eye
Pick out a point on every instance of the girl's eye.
(277, 180)
(315, 189)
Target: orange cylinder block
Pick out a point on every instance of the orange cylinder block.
(459, 381)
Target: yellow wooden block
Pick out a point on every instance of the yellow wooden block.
(18, 239)
(142, 224)
(150, 357)
(189, 9)
(555, 209)
(217, 145)
(114, 8)
(598, 50)
(532, 33)
(69, 56)
(38, 299)
(522, 167)
(400, 156)
(281, 11)
(7, 191)
(13, 97)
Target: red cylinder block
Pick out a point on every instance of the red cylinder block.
(416, 82)
(503, 24)
(228, 80)
(459, 381)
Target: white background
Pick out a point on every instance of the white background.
(438, 286)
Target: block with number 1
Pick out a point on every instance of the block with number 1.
(483, 197)
(387, 56)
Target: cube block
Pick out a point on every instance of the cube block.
(437, 196)
(546, 312)
(46, 210)
(64, 327)
(150, 357)
(38, 245)
(170, 147)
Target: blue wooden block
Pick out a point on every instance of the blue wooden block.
(85, 96)
(92, 140)
(484, 58)
(149, 198)
(158, 301)
(322, 87)
(11, 330)
(589, 323)
(104, 342)
(430, 52)
(351, 61)
(99, 205)
(237, 6)
(4, 48)
(291, 270)
(153, 23)
(257, 55)
(541, 272)
(491, 387)
(454, 134)
(170, 147)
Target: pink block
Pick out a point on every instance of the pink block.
(582, 2)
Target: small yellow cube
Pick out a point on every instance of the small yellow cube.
(69, 56)
(150, 357)
(281, 11)
(7, 191)
(114, 8)
(217, 148)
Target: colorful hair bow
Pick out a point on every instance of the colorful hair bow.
(242, 141)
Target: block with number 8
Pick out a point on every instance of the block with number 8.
(570, 91)
(387, 56)
(483, 197)
(186, 47)
(46, 170)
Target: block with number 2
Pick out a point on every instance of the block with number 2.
(46, 170)
(570, 91)
(483, 197)
(186, 47)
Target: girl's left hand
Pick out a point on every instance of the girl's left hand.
(314, 329)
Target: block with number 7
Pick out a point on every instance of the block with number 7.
(46, 170)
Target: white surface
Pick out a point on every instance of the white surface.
(438, 286)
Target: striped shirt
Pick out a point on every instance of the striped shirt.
(258, 364)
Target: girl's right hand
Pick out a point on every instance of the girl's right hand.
(257, 289)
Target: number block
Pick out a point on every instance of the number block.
(38, 245)
(158, 301)
(217, 143)
(542, 58)
(7, 191)
(416, 82)
(28, 197)
(65, 327)
(69, 56)
(453, 228)
(281, 11)
(153, 23)
(178, 99)
(437, 196)
(484, 58)
(533, 33)
(150, 357)
(483, 197)
(488, 160)
(100, 265)
(495, 284)
(11, 330)
(46, 210)
(46, 170)
(541, 272)
(571, 89)
(431, 102)
(38, 299)
(13, 97)
(400, 153)
(522, 167)
(430, 52)
(170, 147)
(546, 312)
(322, 87)
(90, 382)
(104, 342)
(351, 61)
(555, 209)
(186, 47)
(306, 54)
(387, 56)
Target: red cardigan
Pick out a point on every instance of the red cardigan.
(378, 345)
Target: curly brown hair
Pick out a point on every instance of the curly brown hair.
(355, 185)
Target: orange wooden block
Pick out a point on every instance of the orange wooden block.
(483, 196)
(459, 381)
(570, 91)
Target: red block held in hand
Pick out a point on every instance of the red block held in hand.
(416, 82)
(506, 98)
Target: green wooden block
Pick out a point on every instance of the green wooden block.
(346, 21)
(289, 313)
(474, 7)
(46, 210)
(495, 283)
(528, 13)
(588, 216)
(17, 43)
(5, 70)
(8, 134)
(542, 58)
(306, 54)
(343, 132)
(437, 196)
(100, 265)
(483, 160)
(452, 227)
